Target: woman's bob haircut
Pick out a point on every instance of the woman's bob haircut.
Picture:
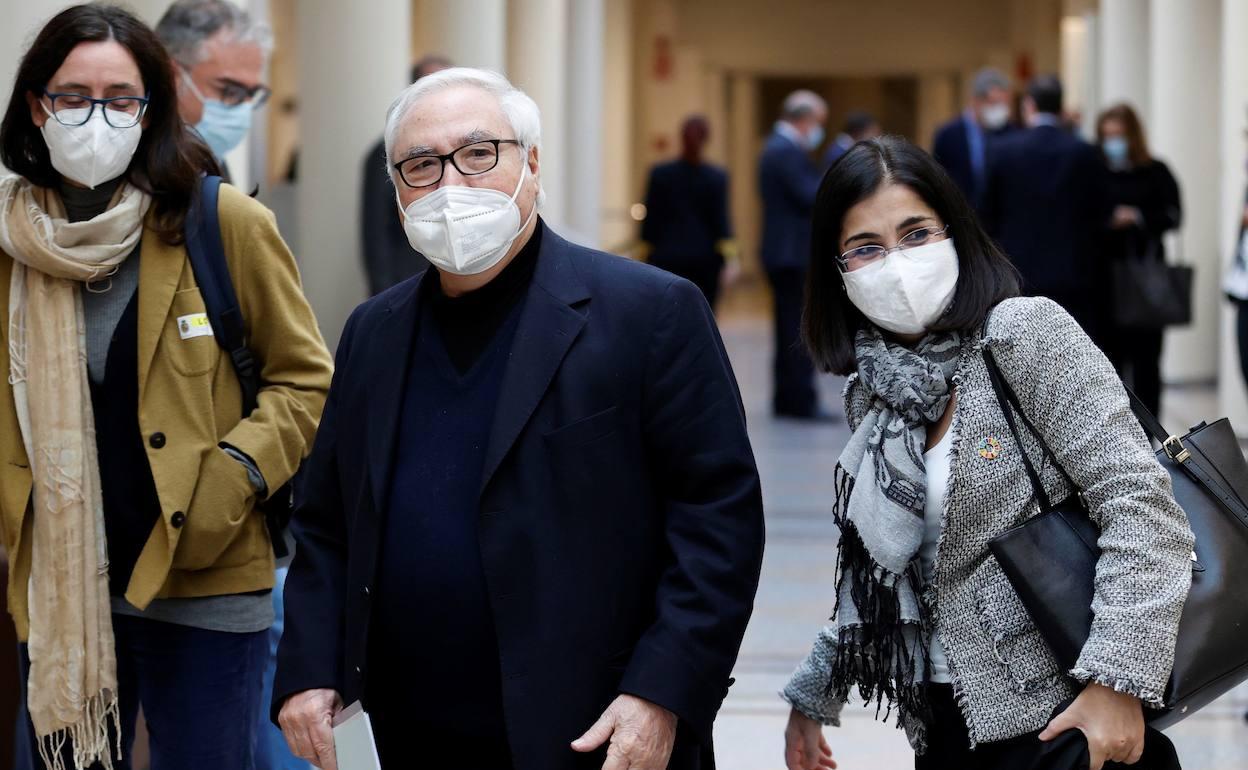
(830, 321)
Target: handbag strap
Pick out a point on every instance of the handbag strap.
(1009, 403)
(1192, 463)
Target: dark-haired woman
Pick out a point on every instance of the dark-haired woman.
(140, 569)
(1146, 206)
(906, 294)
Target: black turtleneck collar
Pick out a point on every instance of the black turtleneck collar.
(468, 323)
(82, 203)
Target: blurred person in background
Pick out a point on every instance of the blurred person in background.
(859, 125)
(220, 53)
(532, 512)
(1146, 205)
(962, 145)
(1046, 204)
(908, 296)
(787, 181)
(687, 230)
(388, 259)
(140, 570)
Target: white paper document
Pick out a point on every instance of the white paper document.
(353, 739)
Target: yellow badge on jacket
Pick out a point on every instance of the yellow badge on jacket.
(194, 325)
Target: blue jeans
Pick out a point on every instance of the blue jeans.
(272, 752)
(200, 692)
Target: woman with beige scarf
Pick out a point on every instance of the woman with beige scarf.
(140, 569)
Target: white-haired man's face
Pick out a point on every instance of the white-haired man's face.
(451, 118)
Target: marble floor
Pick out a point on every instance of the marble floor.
(795, 462)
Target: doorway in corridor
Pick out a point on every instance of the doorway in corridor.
(894, 101)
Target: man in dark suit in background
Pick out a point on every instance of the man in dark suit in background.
(787, 181)
(388, 259)
(687, 229)
(1046, 202)
(963, 144)
(531, 523)
(859, 125)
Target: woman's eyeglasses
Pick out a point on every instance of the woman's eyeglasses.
(858, 258)
(76, 109)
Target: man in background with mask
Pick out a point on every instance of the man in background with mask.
(788, 180)
(531, 527)
(1046, 203)
(859, 125)
(220, 54)
(963, 144)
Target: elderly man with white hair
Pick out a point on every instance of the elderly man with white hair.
(530, 531)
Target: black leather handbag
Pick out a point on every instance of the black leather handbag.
(1148, 293)
(1051, 560)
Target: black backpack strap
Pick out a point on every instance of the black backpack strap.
(212, 273)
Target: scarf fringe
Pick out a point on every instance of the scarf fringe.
(875, 657)
(88, 738)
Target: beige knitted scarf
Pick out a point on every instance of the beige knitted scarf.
(72, 689)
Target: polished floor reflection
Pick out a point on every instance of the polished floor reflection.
(796, 461)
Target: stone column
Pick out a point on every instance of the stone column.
(471, 33)
(586, 78)
(619, 118)
(744, 146)
(1124, 53)
(537, 62)
(360, 49)
(1185, 45)
(1233, 397)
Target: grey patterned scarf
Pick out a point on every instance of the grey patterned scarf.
(880, 619)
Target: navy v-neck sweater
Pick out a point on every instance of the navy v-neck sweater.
(433, 649)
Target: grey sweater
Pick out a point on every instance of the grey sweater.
(1005, 679)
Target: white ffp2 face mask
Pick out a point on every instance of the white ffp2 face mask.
(995, 116)
(92, 153)
(465, 230)
(908, 290)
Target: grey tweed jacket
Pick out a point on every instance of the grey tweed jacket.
(1004, 677)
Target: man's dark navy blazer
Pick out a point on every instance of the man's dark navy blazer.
(1046, 204)
(620, 519)
(787, 182)
(951, 147)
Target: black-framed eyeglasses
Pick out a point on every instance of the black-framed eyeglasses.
(856, 259)
(76, 109)
(470, 160)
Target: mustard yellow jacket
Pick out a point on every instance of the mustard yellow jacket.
(209, 540)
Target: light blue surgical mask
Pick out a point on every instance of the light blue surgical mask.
(815, 137)
(1116, 151)
(222, 126)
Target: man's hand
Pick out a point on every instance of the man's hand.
(1126, 217)
(805, 748)
(641, 735)
(1112, 722)
(306, 719)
